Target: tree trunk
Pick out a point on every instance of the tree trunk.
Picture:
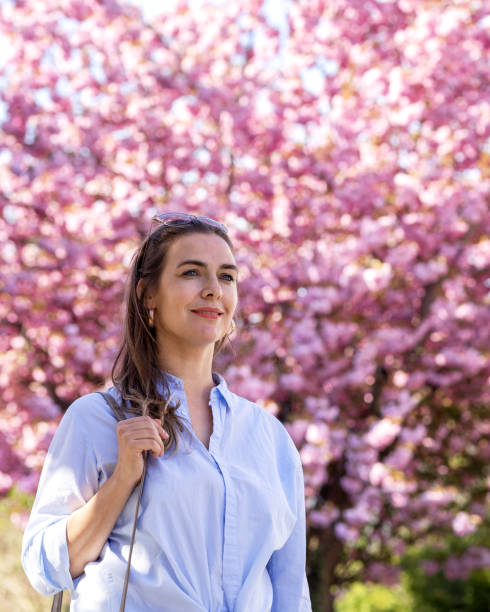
(323, 560)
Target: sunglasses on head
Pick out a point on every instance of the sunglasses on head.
(186, 219)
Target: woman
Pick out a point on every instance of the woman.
(222, 520)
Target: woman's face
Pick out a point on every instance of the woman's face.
(199, 273)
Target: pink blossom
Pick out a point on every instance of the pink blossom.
(377, 473)
(401, 407)
(382, 433)
(358, 516)
(19, 519)
(6, 482)
(413, 436)
(476, 557)
(297, 430)
(399, 500)
(351, 485)
(399, 458)
(383, 573)
(377, 278)
(317, 433)
(7, 456)
(430, 567)
(439, 495)
(313, 454)
(28, 483)
(431, 271)
(293, 382)
(346, 533)
(324, 517)
(465, 524)
(454, 569)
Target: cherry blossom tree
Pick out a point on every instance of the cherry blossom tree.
(345, 144)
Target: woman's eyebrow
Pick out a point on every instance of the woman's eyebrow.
(195, 262)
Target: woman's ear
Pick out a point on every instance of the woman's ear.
(139, 292)
(139, 288)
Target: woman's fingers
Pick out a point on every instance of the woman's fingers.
(141, 433)
(134, 436)
(141, 425)
(138, 445)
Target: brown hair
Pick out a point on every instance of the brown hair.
(136, 373)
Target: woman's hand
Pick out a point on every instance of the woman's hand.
(90, 525)
(134, 436)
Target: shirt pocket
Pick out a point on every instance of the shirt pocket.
(262, 505)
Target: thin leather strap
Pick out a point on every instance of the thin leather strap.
(128, 567)
(116, 409)
(57, 602)
(119, 414)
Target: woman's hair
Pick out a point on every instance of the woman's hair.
(136, 372)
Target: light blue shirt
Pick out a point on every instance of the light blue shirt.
(219, 530)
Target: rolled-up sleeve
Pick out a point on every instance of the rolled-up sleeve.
(68, 480)
(286, 566)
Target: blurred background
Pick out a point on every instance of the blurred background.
(346, 146)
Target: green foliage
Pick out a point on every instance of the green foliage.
(374, 598)
(420, 593)
(16, 593)
(435, 592)
(427, 591)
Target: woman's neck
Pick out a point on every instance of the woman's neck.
(195, 371)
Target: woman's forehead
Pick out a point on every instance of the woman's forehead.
(205, 247)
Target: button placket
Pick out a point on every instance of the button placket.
(217, 410)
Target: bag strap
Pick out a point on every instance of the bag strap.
(116, 409)
(120, 416)
(57, 602)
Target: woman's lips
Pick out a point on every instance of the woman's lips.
(206, 315)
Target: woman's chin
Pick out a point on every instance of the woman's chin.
(193, 336)
(203, 338)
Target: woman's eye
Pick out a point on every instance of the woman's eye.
(227, 277)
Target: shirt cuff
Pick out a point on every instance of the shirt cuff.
(48, 562)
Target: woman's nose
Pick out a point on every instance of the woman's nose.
(212, 288)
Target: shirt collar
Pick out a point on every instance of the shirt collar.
(176, 386)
